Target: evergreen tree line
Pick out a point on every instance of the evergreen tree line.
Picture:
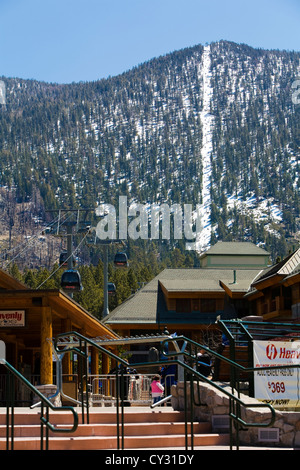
(144, 265)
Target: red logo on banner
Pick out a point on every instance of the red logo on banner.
(271, 351)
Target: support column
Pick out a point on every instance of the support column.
(105, 364)
(94, 361)
(105, 289)
(46, 350)
(67, 359)
(95, 369)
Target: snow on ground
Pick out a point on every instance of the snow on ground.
(265, 209)
(203, 239)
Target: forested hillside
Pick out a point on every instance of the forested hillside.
(211, 125)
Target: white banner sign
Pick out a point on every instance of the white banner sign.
(9, 318)
(279, 387)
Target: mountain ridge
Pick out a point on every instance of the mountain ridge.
(212, 125)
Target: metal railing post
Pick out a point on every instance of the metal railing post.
(235, 401)
(10, 401)
(12, 375)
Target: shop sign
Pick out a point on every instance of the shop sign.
(279, 387)
(12, 318)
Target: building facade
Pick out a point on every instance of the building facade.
(275, 294)
(30, 319)
(189, 301)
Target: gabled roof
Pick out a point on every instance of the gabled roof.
(244, 280)
(235, 249)
(148, 306)
(16, 295)
(205, 280)
(9, 282)
(287, 267)
(138, 308)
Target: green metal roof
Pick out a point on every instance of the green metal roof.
(286, 268)
(147, 306)
(236, 249)
(209, 280)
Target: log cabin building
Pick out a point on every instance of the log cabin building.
(233, 282)
(186, 301)
(30, 318)
(275, 293)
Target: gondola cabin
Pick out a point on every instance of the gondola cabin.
(63, 259)
(71, 281)
(111, 288)
(121, 260)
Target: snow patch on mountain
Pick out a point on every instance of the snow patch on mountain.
(203, 239)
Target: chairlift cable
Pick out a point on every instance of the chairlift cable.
(60, 266)
(27, 246)
(24, 243)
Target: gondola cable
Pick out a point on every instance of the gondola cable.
(28, 245)
(59, 267)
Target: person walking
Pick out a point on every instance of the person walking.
(157, 389)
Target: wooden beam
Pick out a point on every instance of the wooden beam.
(105, 364)
(46, 351)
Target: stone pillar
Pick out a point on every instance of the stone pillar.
(50, 392)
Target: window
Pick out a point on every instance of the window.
(208, 305)
(195, 305)
(183, 305)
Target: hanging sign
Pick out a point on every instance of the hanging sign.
(278, 387)
(12, 318)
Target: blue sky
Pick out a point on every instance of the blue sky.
(66, 41)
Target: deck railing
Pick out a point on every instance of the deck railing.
(45, 406)
(187, 351)
(183, 356)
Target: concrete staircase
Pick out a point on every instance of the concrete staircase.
(144, 429)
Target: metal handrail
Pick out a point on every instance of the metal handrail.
(80, 347)
(235, 401)
(161, 402)
(219, 356)
(233, 398)
(234, 416)
(44, 402)
(244, 332)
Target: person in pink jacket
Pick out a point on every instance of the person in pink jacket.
(157, 389)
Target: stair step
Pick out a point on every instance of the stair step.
(131, 429)
(66, 418)
(143, 429)
(110, 443)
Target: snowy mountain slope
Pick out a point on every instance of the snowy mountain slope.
(211, 126)
(256, 143)
(203, 241)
